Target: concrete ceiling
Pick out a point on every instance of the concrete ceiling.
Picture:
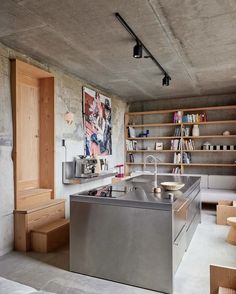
(194, 40)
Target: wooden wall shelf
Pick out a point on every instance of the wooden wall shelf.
(164, 128)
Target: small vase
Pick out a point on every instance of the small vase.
(195, 131)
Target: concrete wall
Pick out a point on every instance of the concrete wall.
(175, 103)
(68, 94)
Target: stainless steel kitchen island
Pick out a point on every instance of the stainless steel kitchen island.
(129, 234)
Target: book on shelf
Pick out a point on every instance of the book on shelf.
(175, 144)
(131, 145)
(177, 132)
(177, 158)
(188, 144)
(194, 118)
(176, 170)
(186, 131)
(186, 158)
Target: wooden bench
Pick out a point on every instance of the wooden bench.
(50, 236)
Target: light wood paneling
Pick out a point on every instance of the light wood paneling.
(28, 133)
(47, 136)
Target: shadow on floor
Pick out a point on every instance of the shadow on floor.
(58, 258)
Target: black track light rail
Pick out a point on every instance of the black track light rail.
(136, 38)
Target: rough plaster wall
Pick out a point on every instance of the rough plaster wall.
(68, 94)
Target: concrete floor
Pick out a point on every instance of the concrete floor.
(49, 271)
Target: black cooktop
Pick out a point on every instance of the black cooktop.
(105, 191)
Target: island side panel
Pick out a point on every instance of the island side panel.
(124, 244)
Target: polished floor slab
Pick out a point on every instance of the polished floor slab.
(50, 271)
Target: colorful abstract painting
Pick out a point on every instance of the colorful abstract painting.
(97, 122)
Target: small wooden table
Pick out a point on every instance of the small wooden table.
(231, 238)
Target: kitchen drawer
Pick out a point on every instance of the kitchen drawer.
(179, 248)
(45, 215)
(193, 208)
(191, 229)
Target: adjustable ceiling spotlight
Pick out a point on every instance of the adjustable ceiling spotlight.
(166, 80)
(138, 50)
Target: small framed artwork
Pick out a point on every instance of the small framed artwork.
(159, 146)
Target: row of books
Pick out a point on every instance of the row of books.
(177, 132)
(176, 170)
(194, 118)
(188, 145)
(175, 144)
(131, 145)
(177, 158)
(187, 158)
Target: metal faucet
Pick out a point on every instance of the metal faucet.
(155, 159)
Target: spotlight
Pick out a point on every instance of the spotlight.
(138, 50)
(166, 80)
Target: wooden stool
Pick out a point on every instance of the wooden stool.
(232, 231)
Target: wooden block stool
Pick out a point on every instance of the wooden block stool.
(231, 238)
(51, 236)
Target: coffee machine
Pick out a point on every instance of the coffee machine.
(85, 167)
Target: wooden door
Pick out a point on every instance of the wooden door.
(28, 133)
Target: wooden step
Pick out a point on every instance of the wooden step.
(30, 218)
(35, 207)
(32, 197)
(50, 236)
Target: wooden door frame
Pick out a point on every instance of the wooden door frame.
(47, 122)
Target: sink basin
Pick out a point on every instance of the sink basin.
(172, 186)
(141, 180)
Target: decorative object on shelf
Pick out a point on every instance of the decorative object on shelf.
(159, 146)
(120, 173)
(172, 186)
(97, 123)
(206, 146)
(177, 117)
(195, 131)
(131, 132)
(144, 134)
(69, 117)
(226, 133)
